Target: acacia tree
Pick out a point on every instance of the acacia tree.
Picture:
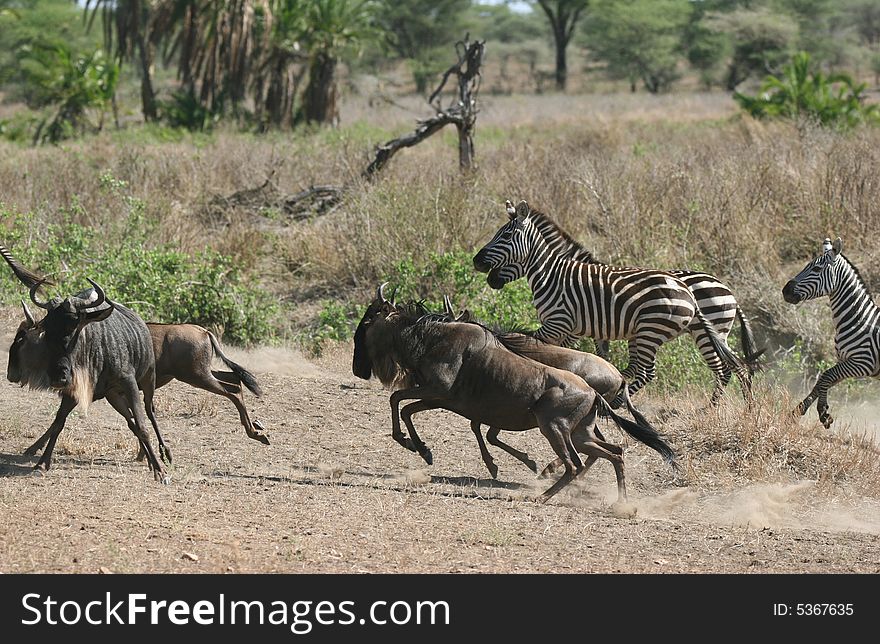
(640, 39)
(563, 16)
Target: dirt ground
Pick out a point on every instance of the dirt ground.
(334, 493)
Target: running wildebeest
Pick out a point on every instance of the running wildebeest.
(600, 374)
(856, 321)
(464, 369)
(183, 352)
(94, 348)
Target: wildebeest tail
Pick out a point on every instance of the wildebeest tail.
(749, 346)
(641, 431)
(247, 378)
(27, 277)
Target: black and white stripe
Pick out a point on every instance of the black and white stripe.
(582, 299)
(714, 298)
(856, 320)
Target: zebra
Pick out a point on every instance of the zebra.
(714, 298)
(856, 320)
(577, 299)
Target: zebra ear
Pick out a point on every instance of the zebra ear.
(837, 246)
(522, 210)
(511, 211)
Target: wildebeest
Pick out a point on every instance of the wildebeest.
(463, 368)
(600, 374)
(856, 321)
(183, 352)
(93, 348)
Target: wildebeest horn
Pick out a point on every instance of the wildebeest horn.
(393, 294)
(28, 314)
(380, 293)
(90, 303)
(447, 305)
(42, 305)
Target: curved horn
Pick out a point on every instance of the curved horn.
(380, 293)
(28, 314)
(447, 306)
(100, 298)
(42, 305)
(393, 294)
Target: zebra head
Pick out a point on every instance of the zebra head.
(504, 257)
(819, 277)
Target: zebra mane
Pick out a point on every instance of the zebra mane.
(560, 241)
(859, 277)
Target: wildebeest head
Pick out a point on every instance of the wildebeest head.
(28, 358)
(378, 309)
(62, 326)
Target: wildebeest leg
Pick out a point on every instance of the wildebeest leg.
(492, 437)
(484, 452)
(409, 394)
(232, 383)
(164, 450)
(67, 405)
(130, 403)
(214, 386)
(38, 444)
(594, 450)
(556, 432)
(406, 414)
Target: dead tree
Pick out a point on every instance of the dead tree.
(319, 200)
(462, 112)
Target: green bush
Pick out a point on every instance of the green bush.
(834, 100)
(159, 282)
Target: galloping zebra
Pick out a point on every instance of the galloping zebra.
(577, 299)
(714, 298)
(856, 319)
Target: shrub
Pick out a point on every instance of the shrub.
(801, 94)
(159, 282)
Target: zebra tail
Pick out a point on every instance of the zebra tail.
(726, 354)
(641, 431)
(749, 346)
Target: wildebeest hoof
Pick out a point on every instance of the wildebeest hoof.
(426, 454)
(41, 467)
(623, 509)
(258, 425)
(262, 438)
(163, 477)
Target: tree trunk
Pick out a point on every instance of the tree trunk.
(561, 63)
(320, 99)
(148, 95)
(465, 144)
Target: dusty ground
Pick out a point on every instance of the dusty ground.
(334, 493)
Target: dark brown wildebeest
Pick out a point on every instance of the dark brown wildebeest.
(92, 348)
(600, 374)
(182, 351)
(463, 368)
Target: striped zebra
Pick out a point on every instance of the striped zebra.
(714, 298)
(856, 320)
(578, 299)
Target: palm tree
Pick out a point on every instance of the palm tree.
(331, 27)
(126, 27)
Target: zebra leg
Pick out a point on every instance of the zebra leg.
(826, 380)
(722, 374)
(642, 365)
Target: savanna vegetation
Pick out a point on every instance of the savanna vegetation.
(125, 126)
